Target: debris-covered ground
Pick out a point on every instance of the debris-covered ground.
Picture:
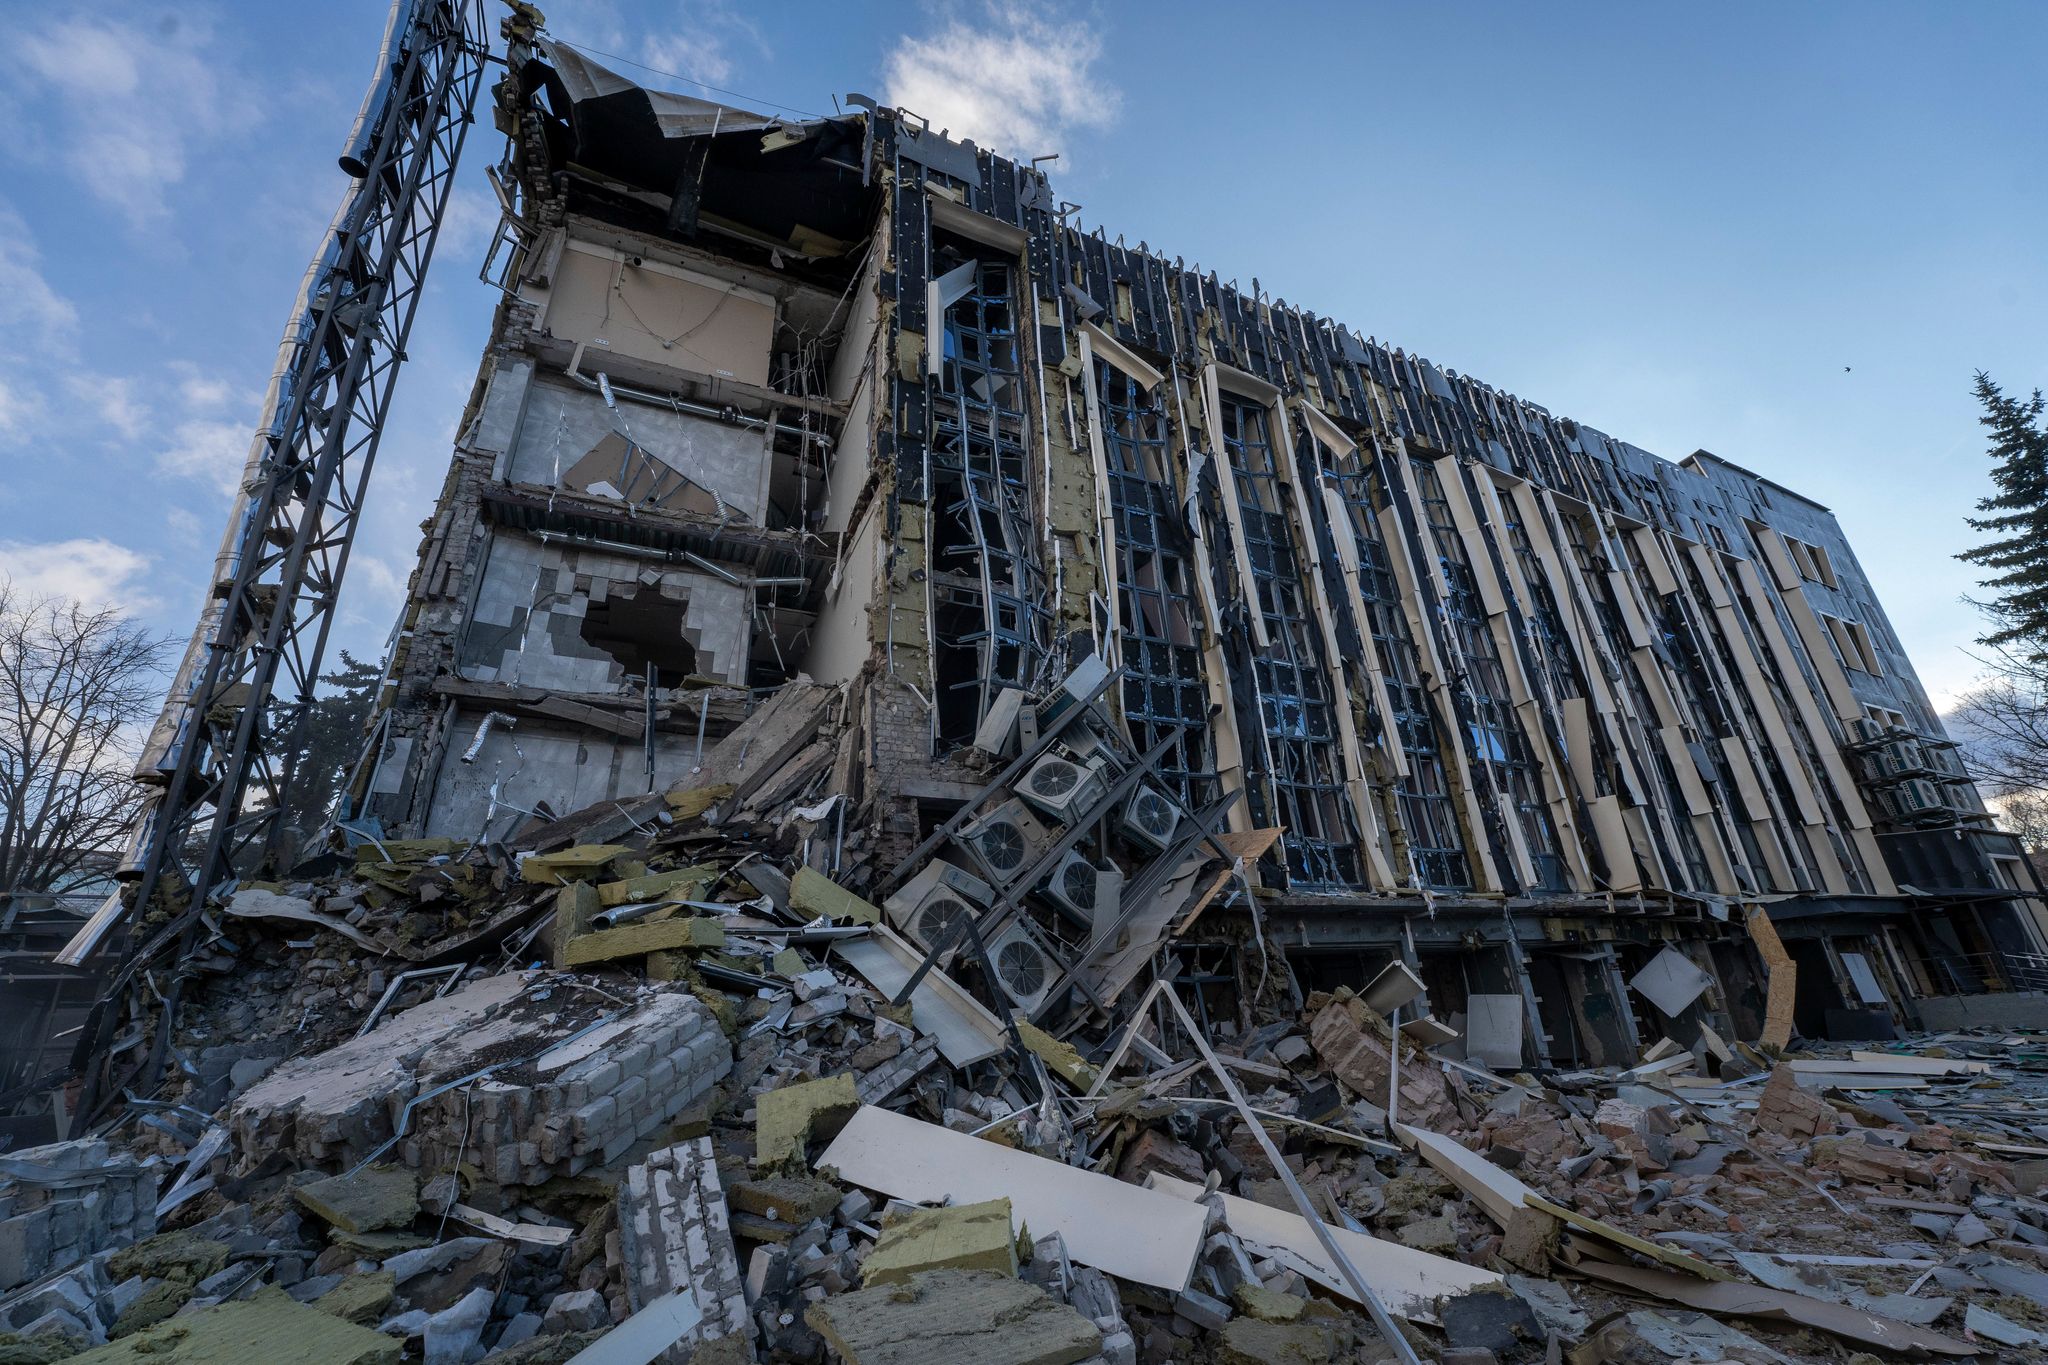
(633, 1087)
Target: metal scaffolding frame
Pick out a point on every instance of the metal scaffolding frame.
(221, 766)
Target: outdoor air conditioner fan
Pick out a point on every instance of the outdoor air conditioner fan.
(925, 907)
(1061, 787)
(933, 923)
(1072, 888)
(1150, 817)
(1005, 841)
(1023, 970)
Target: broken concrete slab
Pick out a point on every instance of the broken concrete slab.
(1135, 1234)
(942, 1317)
(957, 1237)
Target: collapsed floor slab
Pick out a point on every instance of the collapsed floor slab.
(567, 1077)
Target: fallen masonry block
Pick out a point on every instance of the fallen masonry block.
(363, 1201)
(884, 1081)
(942, 1317)
(67, 1201)
(959, 1237)
(1787, 1108)
(641, 938)
(523, 1077)
(675, 1236)
(785, 1120)
(791, 1199)
(1346, 1037)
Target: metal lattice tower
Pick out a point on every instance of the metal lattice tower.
(278, 578)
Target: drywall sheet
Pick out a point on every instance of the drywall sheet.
(1865, 979)
(661, 314)
(1670, 982)
(1408, 1282)
(1499, 1192)
(1493, 1030)
(1135, 1234)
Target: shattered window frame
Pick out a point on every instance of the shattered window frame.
(1499, 747)
(1429, 817)
(988, 626)
(1296, 710)
(1157, 614)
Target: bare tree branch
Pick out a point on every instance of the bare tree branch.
(77, 686)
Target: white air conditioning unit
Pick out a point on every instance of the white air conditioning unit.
(1006, 841)
(1150, 817)
(1063, 788)
(1078, 889)
(933, 924)
(1024, 971)
(924, 907)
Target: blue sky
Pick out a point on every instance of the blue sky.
(1785, 233)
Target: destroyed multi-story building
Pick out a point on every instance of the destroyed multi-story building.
(850, 400)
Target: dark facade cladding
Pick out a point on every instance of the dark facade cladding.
(849, 400)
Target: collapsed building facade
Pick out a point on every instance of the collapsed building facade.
(850, 401)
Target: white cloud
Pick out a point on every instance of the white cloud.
(112, 399)
(697, 42)
(129, 103)
(199, 391)
(206, 449)
(92, 571)
(16, 407)
(1016, 83)
(27, 299)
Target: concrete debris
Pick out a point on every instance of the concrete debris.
(661, 1088)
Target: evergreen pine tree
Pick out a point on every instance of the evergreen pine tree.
(2018, 516)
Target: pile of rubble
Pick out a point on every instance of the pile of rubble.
(653, 1082)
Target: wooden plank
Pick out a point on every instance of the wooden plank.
(1781, 976)
(1607, 1232)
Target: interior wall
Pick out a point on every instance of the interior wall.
(661, 314)
(527, 626)
(562, 422)
(528, 765)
